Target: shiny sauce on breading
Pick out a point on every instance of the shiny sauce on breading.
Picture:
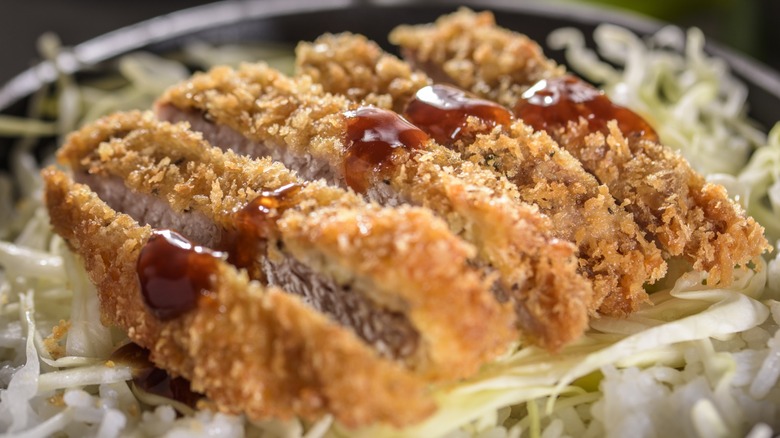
(174, 273)
(151, 379)
(256, 223)
(443, 111)
(375, 139)
(551, 104)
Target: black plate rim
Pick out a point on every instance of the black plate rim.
(213, 15)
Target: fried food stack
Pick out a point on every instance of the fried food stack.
(342, 241)
(680, 211)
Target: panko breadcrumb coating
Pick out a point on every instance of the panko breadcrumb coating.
(613, 251)
(683, 213)
(258, 111)
(249, 349)
(354, 297)
(415, 298)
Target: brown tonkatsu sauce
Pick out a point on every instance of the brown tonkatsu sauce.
(255, 224)
(375, 138)
(443, 111)
(174, 273)
(553, 103)
(153, 380)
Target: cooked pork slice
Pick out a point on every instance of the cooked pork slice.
(258, 111)
(396, 276)
(613, 251)
(684, 214)
(250, 349)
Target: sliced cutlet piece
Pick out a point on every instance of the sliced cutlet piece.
(613, 251)
(352, 65)
(396, 276)
(248, 348)
(258, 111)
(685, 215)
(467, 49)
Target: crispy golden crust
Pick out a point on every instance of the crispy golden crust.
(685, 215)
(511, 237)
(354, 66)
(169, 159)
(614, 253)
(426, 276)
(469, 48)
(295, 362)
(407, 259)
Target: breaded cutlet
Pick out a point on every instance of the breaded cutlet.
(684, 214)
(613, 251)
(250, 349)
(256, 110)
(396, 276)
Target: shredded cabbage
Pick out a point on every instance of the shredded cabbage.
(701, 361)
(531, 373)
(757, 185)
(691, 99)
(16, 414)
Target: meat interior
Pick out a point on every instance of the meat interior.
(389, 333)
(310, 168)
(306, 166)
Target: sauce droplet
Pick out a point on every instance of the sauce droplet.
(443, 111)
(256, 223)
(375, 139)
(174, 273)
(553, 103)
(151, 379)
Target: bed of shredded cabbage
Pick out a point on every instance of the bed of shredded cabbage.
(701, 361)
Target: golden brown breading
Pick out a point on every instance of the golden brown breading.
(423, 265)
(405, 260)
(285, 359)
(469, 50)
(613, 251)
(185, 166)
(351, 65)
(296, 118)
(685, 215)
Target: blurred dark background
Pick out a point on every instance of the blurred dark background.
(74, 21)
(748, 26)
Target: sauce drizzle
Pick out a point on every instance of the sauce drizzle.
(174, 273)
(375, 139)
(553, 103)
(256, 223)
(442, 111)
